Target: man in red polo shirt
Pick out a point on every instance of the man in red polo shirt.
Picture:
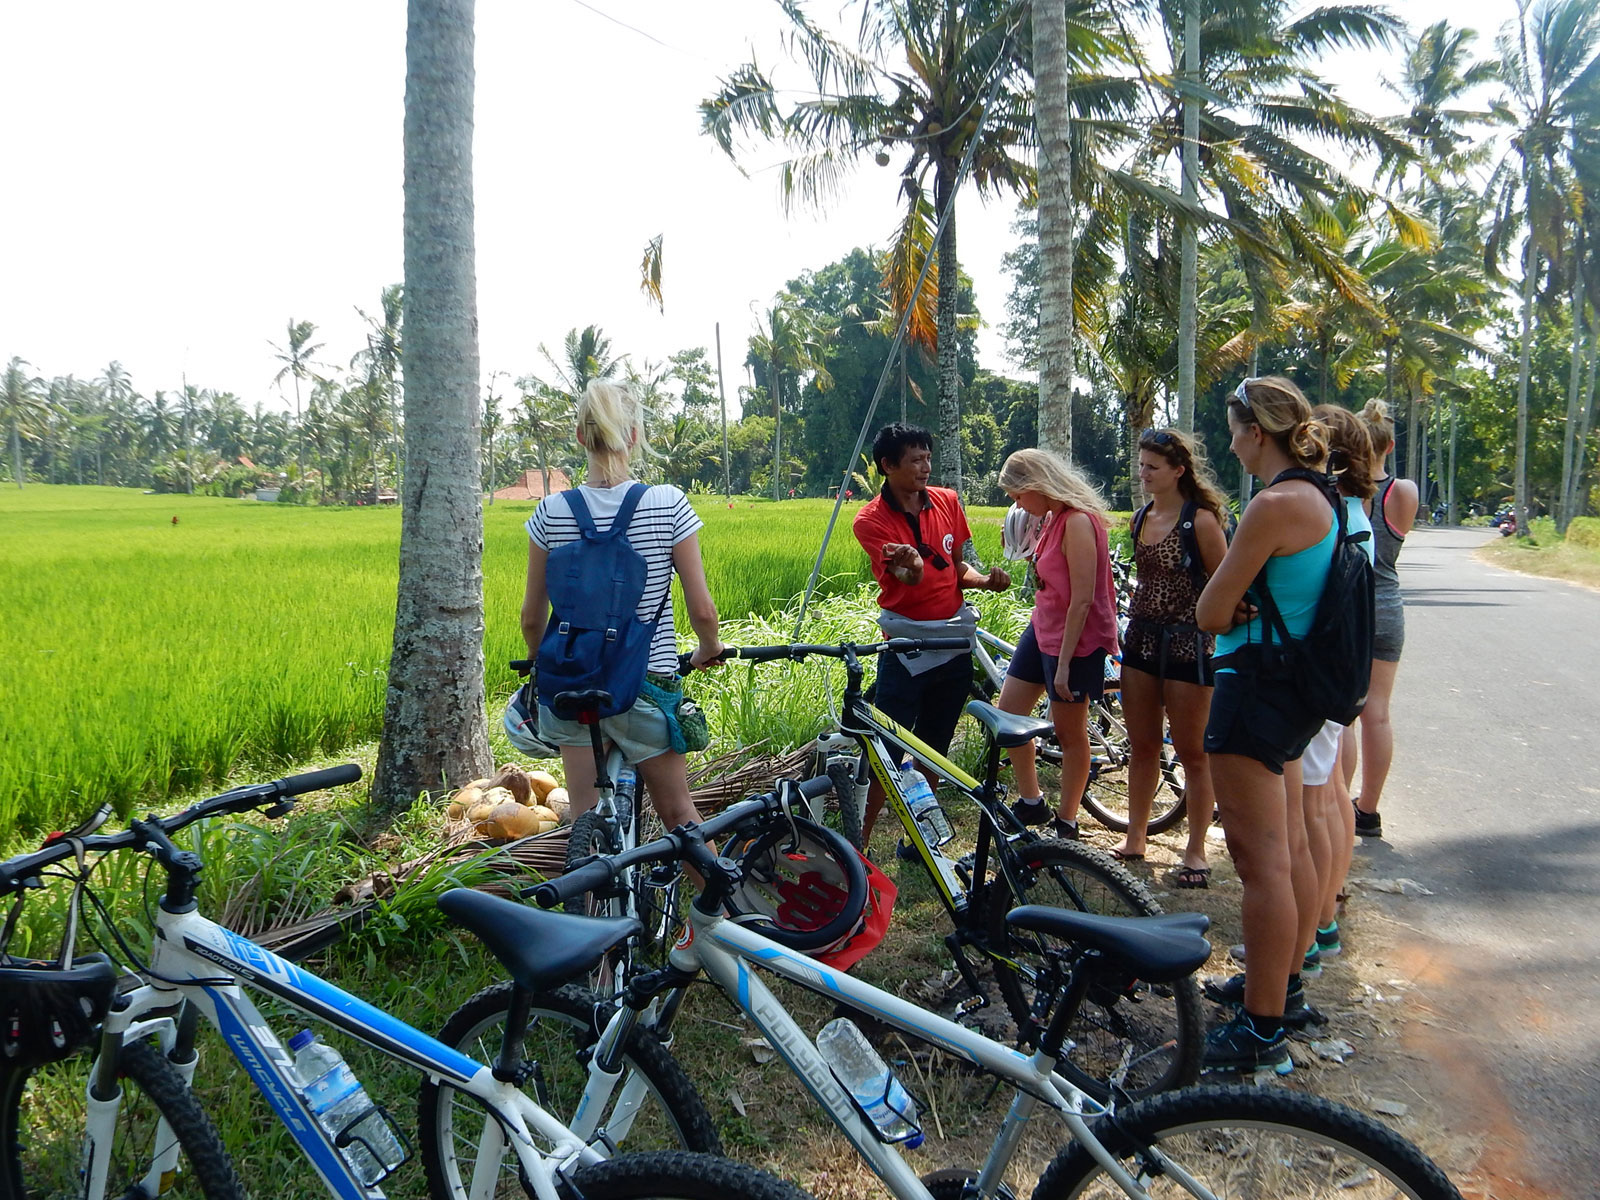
(915, 536)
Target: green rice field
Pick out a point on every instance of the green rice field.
(143, 656)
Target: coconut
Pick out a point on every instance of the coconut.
(542, 782)
(515, 781)
(512, 820)
(557, 801)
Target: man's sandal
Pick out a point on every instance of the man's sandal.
(1191, 877)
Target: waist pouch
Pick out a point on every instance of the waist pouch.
(686, 723)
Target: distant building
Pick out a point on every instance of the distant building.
(531, 486)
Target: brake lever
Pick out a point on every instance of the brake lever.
(786, 788)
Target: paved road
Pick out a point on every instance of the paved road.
(1494, 803)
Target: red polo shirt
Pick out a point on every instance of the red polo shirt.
(944, 528)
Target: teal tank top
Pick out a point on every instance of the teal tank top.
(1296, 581)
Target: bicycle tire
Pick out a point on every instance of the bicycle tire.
(842, 773)
(591, 835)
(48, 1100)
(561, 1025)
(1162, 1026)
(659, 907)
(679, 1176)
(1106, 796)
(1246, 1143)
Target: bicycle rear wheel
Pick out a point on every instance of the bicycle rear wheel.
(592, 835)
(1106, 796)
(660, 1110)
(1151, 1034)
(42, 1114)
(1249, 1144)
(679, 1177)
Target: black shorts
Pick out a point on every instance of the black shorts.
(1177, 671)
(928, 704)
(1086, 674)
(1258, 715)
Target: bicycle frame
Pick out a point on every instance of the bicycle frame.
(731, 955)
(208, 966)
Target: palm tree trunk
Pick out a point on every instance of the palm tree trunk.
(722, 391)
(1580, 495)
(1451, 512)
(1388, 377)
(1563, 510)
(949, 466)
(1188, 235)
(16, 452)
(777, 431)
(1530, 262)
(434, 732)
(1052, 118)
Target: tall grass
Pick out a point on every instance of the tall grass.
(143, 656)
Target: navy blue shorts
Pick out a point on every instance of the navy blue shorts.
(1258, 714)
(928, 704)
(1086, 674)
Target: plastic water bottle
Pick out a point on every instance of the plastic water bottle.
(623, 796)
(336, 1098)
(868, 1078)
(924, 805)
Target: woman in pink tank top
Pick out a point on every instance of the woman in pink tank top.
(1073, 629)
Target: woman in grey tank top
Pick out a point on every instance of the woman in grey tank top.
(1393, 510)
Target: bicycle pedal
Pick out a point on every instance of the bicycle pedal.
(965, 1008)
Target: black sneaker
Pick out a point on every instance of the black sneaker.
(1368, 824)
(1298, 1012)
(1067, 831)
(1031, 812)
(1236, 1046)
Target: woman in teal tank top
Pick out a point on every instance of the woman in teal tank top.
(1259, 726)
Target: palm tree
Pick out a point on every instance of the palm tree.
(542, 416)
(298, 357)
(434, 729)
(383, 356)
(23, 409)
(1261, 102)
(1053, 130)
(586, 354)
(790, 345)
(1551, 71)
(953, 79)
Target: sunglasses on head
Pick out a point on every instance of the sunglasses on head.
(1242, 398)
(1157, 438)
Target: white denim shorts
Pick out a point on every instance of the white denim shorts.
(640, 733)
(1321, 756)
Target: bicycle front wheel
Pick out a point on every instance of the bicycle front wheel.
(1244, 1143)
(652, 1107)
(42, 1119)
(591, 835)
(1106, 795)
(1151, 1035)
(668, 1176)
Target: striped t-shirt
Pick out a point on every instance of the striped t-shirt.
(662, 520)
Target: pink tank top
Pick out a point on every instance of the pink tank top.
(1054, 596)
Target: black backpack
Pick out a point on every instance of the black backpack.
(1187, 538)
(595, 638)
(1332, 664)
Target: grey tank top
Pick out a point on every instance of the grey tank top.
(1386, 543)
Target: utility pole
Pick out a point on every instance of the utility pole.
(722, 390)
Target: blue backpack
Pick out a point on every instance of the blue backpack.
(595, 639)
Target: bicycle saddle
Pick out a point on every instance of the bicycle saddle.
(1009, 729)
(570, 705)
(1156, 949)
(541, 950)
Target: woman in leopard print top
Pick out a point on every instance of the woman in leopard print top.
(1165, 663)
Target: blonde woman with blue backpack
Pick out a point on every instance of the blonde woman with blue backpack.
(592, 550)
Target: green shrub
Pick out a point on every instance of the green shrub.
(1585, 532)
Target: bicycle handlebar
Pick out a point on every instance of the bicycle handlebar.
(670, 847)
(15, 873)
(797, 651)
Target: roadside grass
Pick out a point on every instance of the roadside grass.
(1575, 558)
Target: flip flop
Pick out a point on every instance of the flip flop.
(1123, 856)
(1191, 877)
